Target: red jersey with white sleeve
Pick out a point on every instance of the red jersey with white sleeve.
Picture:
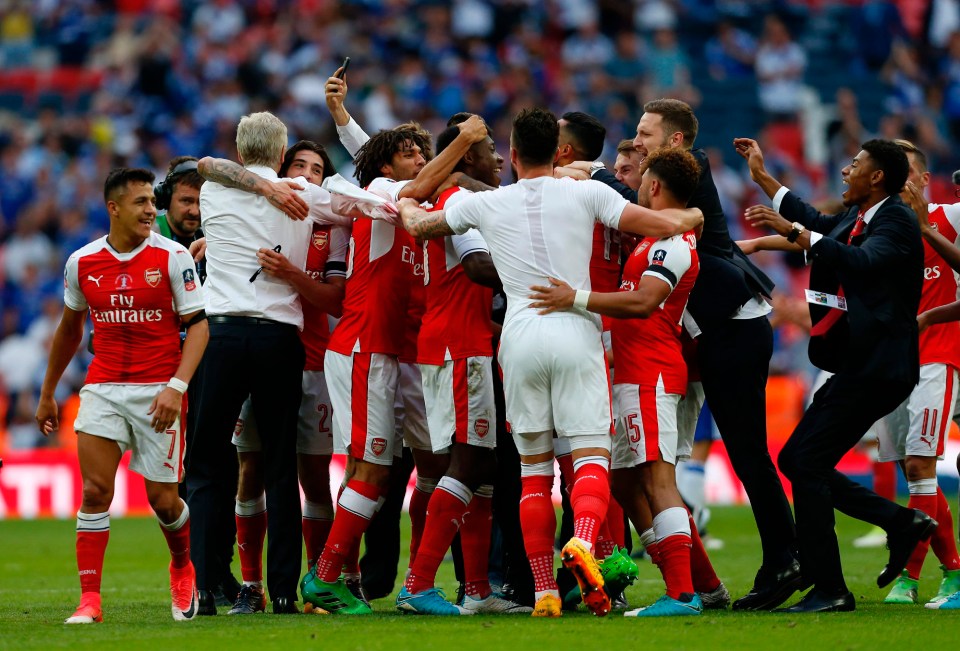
(380, 271)
(456, 324)
(326, 258)
(648, 350)
(940, 344)
(135, 301)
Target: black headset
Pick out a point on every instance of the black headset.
(164, 190)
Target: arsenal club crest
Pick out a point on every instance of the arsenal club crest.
(320, 239)
(481, 427)
(153, 276)
(124, 282)
(238, 428)
(378, 446)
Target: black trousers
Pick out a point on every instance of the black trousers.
(264, 361)
(734, 360)
(223, 535)
(841, 412)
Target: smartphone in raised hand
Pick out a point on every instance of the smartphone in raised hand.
(343, 68)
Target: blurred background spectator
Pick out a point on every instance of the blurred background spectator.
(86, 85)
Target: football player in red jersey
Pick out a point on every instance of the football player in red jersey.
(138, 288)
(361, 361)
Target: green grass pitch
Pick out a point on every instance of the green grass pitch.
(39, 588)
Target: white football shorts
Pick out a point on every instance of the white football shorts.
(119, 412)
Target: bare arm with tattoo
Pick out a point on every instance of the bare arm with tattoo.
(422, 224)
(283, 195)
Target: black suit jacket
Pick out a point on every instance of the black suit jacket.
(727, 279)
(881, 273)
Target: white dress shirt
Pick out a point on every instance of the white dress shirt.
(237, 224)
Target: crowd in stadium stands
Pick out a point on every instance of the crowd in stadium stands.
(88, 85)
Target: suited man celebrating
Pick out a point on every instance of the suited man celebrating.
(727, 314)
(865, 282)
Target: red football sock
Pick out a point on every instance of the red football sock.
(251, 530)
(538, 521)
(418, 518)
(705, 578)
(927, 504)
(178, 541)
(615, 523)
(444, 515)
(475, 542)
(357, 504)
(653, 549)
(93, 532)
(885, 479)
(943, 543)
(605, 544)
(315, 534)
(590, 497)
(566, 472)
(674, 553)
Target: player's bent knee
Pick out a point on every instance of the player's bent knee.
(917, 468)
(97, 495)
(372, 473)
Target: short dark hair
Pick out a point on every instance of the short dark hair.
(328, 167)
(889, 158)
(535, 136)
(918, 155)
(677, 169)
(458, 118)
(626, 147)
(119, 177)
(676, 116)
(190, 178)
(379, 150)
(450, 134)
(586, 134)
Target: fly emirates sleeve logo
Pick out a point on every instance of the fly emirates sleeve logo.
(122, 310)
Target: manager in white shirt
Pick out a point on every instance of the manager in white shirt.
(254, 322)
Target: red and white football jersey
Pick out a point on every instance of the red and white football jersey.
(456, 324)
(380, 271)
(648, 350)
(940, 344)
(135, 301)
(326, 258)
(605, 263)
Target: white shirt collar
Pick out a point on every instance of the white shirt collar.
(264, 171)
(867, 216)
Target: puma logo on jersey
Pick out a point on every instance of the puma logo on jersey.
(95, 280)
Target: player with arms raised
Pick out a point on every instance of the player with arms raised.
(138, 287)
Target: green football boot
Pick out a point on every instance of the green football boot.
(948, 586)
(904, 591)
(335, 598)
(618, 571)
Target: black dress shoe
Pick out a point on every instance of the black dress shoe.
(816, 601)
(285, 606)
(207, 604)
(772, 589)
(902, 542)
